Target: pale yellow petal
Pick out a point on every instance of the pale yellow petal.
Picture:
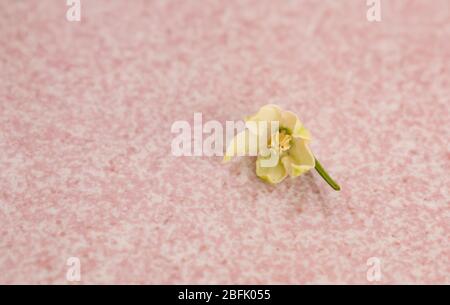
(266, 113)
(300, 158)
(290, 121)
(239, 146)
(272, 175)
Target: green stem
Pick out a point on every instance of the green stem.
(322, 172)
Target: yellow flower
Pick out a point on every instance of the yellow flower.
(281, 138)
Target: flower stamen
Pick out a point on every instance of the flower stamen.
(281, 141)
(285, 141)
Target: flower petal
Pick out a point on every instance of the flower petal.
(266, 113)
(290, 121)
(300, 158)
(272, 175)
(239, 146)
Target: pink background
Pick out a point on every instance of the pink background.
(85, 162)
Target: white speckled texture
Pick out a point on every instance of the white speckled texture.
(85, 164)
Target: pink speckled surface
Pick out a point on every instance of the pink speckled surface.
(85, 164)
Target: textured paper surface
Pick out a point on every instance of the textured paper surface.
(85, 164)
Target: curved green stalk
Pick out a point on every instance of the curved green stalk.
(322, 172)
